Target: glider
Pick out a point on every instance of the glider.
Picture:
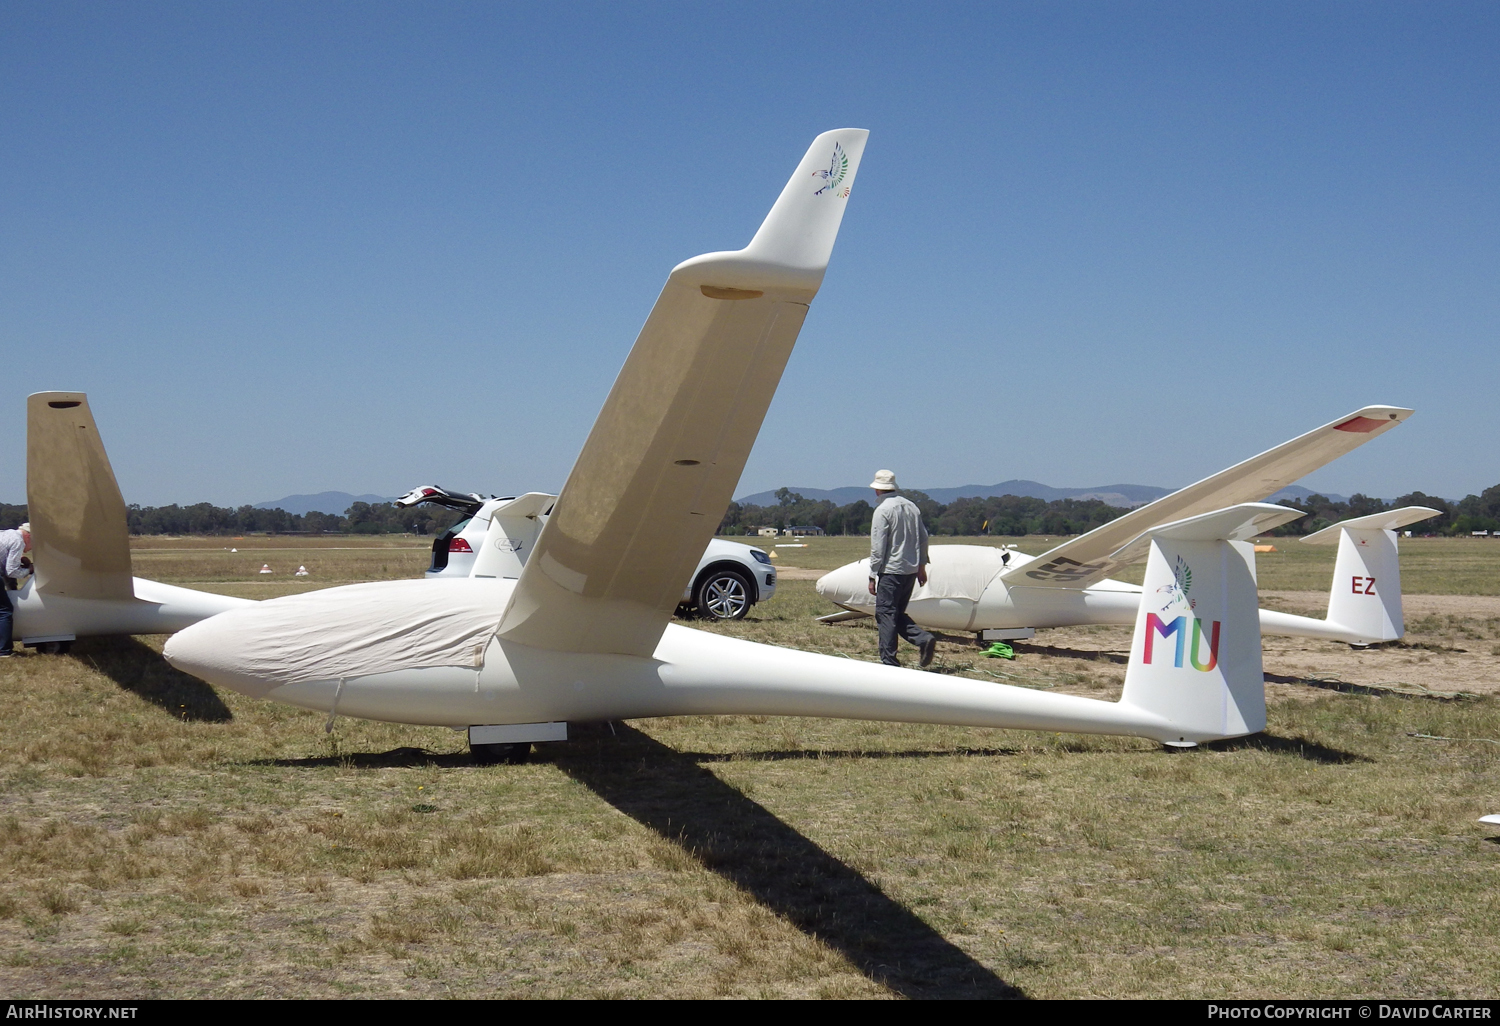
(965, 592)
(584, 633)
(80, 543)
(1003, 593)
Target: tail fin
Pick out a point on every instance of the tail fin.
(80, 540)
(1365, 600)
(1195, 659)
(511, 535)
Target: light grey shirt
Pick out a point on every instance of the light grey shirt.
(12, 548)
(898, 540)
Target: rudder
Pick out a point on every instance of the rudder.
(80, 540)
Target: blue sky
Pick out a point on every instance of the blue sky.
(296, 247)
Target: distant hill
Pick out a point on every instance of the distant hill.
(1121, 495)
(332, 503)
(1115, 495)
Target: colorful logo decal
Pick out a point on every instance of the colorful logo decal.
(1178, 628)
(837, 171)
(1177, 591)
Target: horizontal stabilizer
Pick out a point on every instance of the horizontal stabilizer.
(79, 537)
(1237, 523)
(1086, 559)
(1390, 520)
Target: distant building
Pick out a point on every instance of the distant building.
(804, 531)
(766, 532)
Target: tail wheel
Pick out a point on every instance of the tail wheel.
(723, 595)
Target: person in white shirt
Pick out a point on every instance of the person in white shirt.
(898, 563)
(13, 563)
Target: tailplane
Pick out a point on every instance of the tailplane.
(1195, 659)
(1365, 600)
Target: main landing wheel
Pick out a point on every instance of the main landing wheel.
(491, 755)
(723, 595)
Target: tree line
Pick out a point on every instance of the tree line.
(206, 518)
(1017, 516)
(1004, 514)
(1010, 515)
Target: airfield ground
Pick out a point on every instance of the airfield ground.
(159, 838)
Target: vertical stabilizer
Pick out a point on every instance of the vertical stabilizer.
(1195, 659)
(1365, 599)
(80, 542)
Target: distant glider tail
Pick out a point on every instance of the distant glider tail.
(1365, 600)
(80, 540)
(1195, 659)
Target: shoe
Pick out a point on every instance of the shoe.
(7, 655)
(929, 649)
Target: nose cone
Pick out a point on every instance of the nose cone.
(848, 585)
(221, 650)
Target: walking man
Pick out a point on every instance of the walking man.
(898, 563)
(13, 563)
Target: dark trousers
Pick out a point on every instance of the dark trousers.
(892, 593)
(6, 619)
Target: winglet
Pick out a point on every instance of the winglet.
(792, 247)
(79, 534)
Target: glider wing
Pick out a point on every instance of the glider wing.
(1089, 558)
(658, 468)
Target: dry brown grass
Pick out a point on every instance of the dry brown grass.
(159, 838)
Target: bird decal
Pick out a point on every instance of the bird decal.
(838, 170)
(1182, 583)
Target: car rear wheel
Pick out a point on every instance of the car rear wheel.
(723, 595)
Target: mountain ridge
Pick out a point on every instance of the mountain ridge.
(1121, 495)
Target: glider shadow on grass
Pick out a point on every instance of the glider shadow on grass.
(139, 669)
(668, 792)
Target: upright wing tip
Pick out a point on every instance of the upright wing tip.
(792, 247)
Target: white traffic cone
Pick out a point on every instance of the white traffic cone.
(265, 568)
(301, 572)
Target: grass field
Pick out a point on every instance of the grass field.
(162, 838)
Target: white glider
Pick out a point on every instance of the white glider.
(1006, 593)
(81, 544)
(585, 632)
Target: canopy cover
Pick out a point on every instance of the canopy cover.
(363, 629)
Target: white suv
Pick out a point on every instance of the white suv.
(730, 577)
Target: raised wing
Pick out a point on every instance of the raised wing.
(658, 469)
(79, 538)
(1090, 558)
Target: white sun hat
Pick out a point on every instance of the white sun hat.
(885, 481)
